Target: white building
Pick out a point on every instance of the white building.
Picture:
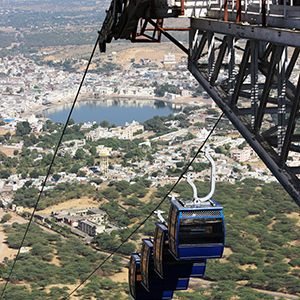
(90, 228)
(169, 60)
(127, 132)
(98, 133)
(241, 155)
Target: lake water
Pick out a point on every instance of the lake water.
(116, 113)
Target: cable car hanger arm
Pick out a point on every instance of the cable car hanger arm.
(199, 200)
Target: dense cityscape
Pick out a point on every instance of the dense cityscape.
(168, 142)
(107, 177)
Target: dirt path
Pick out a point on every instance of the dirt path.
(278, 295)
(5, 251)
(15, 218)
(8, 151)
(294, 216)
(69, 287)
(196, 282)
(73, 203)
(120, 276)
(3, 131)
(154, 54)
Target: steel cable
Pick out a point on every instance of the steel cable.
(151, 213)
(49, 169)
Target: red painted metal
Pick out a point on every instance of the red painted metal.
(238, 18)
(226, 10)
(171, 29)
(182, 7)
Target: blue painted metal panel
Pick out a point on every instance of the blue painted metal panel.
(193, 252)
(198, 270)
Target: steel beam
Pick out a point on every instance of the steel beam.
(231, 64)
(169, 36)
(257, 18)
(278, 36)
(254, 79)
(219, 61)
(284, 174)
(291, 126)
(198, 47)
(292, 62)
(211, 53)
(241, 75)
(281, 92)
(277, 51)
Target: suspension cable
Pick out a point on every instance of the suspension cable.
(151, 213)
(50, 168)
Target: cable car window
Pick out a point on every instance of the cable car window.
(157, 252)
(160, 250)
(132, 274)
(144, 266)
(173, 215)
(158, 242)
(144, 262)
(173, 220)
(201, 231)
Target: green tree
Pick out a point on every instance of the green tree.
(23, 128)
(5, 218)
(7, 136)
(105, 124)
(30, 140)
(56, 177)
(4, 173)
(156, 124)
(35, 173)
(93, 151)
(166, 88)
(81, 173)
(80, 154)
(110, 193)
(127, 248)
(106, 241)
(26, 196)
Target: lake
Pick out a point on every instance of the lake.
(116, 113)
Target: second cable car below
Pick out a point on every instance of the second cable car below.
(136, 289)
(157, 287)
(166, 266)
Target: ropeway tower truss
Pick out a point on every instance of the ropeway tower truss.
(246, 56)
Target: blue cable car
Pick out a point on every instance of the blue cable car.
(196, 232)
(166, 266)
(136, 289)
(197, 228)
(159, 288)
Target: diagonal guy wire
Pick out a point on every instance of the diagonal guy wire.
(49, 169)
(151, 213)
